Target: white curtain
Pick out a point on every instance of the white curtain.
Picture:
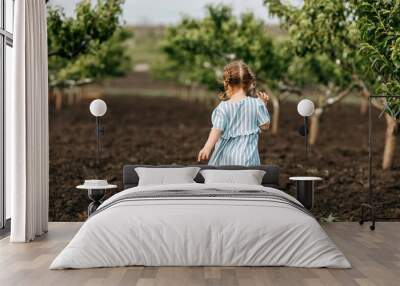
(27, 160)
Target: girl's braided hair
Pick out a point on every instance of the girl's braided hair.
(238, 74)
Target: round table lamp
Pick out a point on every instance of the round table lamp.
(306, 109)
(98, 108)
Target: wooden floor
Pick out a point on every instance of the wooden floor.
(375, 257)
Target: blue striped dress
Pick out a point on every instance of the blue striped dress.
(239, 122)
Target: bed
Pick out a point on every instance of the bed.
(198, 224)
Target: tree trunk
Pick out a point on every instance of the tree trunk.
(58, 99)
(390, 142)
(275, 114)
(363, 106)
(187, 95)
(314, 126)
(315, 118)
(78, 95)
(70, 96)
(391, 130)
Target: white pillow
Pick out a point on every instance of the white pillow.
(248, 177)
(165, 176)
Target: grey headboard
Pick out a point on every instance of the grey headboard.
(271, 177)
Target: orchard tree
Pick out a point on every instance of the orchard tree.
(321, 32)
(379, 25)
(318, 73)
(335, 29)
(197, 50)
(86, 47)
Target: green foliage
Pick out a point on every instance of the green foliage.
(379, 25)
(360, 36)
(89, 45)
(315, 70)
(197, 50)
(305, 71)
(325, 33)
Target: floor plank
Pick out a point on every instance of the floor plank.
(375, 257)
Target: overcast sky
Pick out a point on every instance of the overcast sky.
(155, 12)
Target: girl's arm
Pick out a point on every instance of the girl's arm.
(265, 126)
(213, 138)
(265, 98)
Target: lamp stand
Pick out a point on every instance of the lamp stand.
(306, 134)
(369, 204)
(99, 132)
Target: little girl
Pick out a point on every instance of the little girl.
(237, 120)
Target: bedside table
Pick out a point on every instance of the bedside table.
(96, 193)
(305, 190)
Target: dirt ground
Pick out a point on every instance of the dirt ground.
(167, 130)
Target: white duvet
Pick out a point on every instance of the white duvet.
(200, 231)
